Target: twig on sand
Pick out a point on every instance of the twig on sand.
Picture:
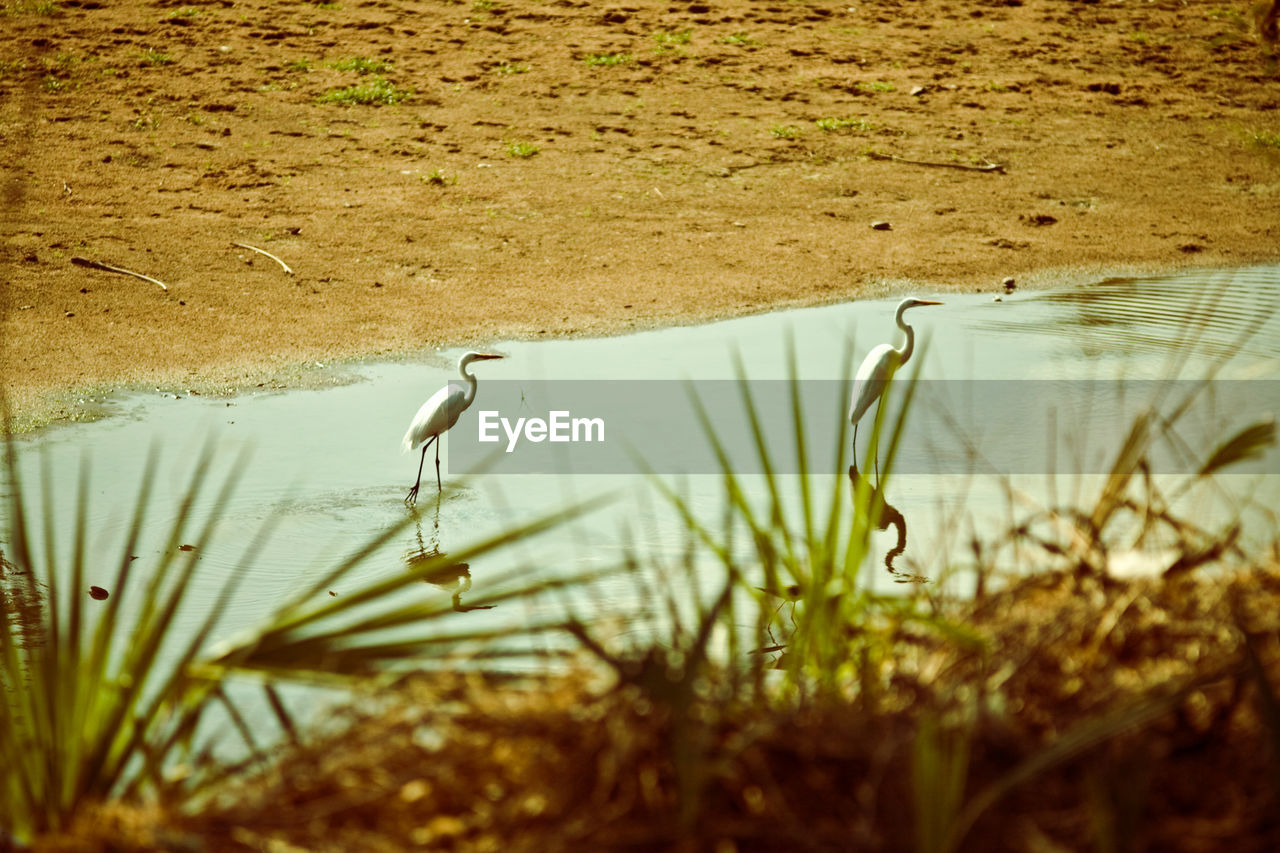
(99, 265)
(894, 158)
(264, 252)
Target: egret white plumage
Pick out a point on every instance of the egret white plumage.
(437, 415)
(878, 367)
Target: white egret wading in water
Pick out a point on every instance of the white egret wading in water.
(877, 370)
(437, 415)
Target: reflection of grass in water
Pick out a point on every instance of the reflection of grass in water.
(776, 699)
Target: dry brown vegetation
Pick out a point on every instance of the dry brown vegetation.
(1142, 712)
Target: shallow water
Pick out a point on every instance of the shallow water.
(326, 465)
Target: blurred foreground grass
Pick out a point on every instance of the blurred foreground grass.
(1098, 715)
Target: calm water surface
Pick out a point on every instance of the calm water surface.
(327, 466)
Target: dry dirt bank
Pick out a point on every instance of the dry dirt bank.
(554, 168)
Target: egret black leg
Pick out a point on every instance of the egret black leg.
(439, 487)
(412, 497)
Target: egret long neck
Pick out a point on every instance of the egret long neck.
(905, 351)
(471, 386)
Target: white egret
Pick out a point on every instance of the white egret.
(437, 415)
(878, 367)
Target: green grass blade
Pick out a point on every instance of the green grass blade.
(1249, 443)
(835, 516)
(97, 682)
(78, 589)
(141, 659)
(180, 696)
(777, 510)
(48, 724)
(1131, 455)
(802, 454)
(23, 792)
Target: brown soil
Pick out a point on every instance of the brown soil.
(689, 182)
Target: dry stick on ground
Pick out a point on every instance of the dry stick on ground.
(99, 265)
(264, 252)
(894, 158)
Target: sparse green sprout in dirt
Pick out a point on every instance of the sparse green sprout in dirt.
(606, 59)
(68, 60)
(185, 13)
(993, 86)
(875, 87)
(669, 40)
(512, 68)
(831, 125)
(156, 58)
(376, 93)
(483, 6)
(1265, 139)
(362, 65)
(522, 149)
(30, 7)
(1224, 13)
(740, 40)
(785, 131)
(301, 66)
(51, 83)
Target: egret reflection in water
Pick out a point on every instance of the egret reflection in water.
(889, 516)
(451, 577)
